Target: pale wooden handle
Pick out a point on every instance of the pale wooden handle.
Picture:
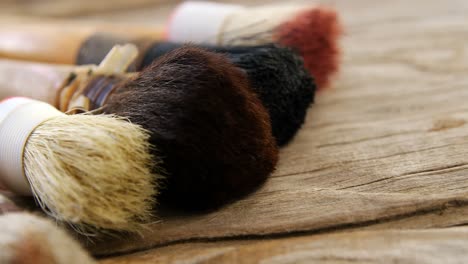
(33, 80)
(59, 42)
(36, 43)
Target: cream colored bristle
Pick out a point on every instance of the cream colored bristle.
(255, 26)
(26, 238)
(92, 171)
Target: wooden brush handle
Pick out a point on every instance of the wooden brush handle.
(33, 80)
(61, 42)
(36, 43)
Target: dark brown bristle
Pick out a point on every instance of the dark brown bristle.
(211, 130)
(277, 75)
(314, 34)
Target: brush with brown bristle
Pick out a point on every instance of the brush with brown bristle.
(310, 29)
(276, 73)
(277, 76)
(27, 238)
(90, 171)
(212, 132)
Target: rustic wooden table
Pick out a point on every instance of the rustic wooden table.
(379, 172)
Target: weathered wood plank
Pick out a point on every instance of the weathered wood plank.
(387, 147)
(448, 245)
(72, 8)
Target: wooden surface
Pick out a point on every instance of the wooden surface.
(386, 148)
(391, 246)
(72, 8)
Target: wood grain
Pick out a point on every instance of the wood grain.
(73, 8)
(389, 246)
(387, 147)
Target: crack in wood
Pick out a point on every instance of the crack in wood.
(369, 139)
(435, 209)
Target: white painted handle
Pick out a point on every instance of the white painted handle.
(19, 117)
(198, 22)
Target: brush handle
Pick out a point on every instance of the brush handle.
(227, 24)
(36, 43)
(34, 80)
(200, 22)
(19, 117)
(62, 42)
(97, 46)
(59, 85)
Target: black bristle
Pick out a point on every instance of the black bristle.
(277, 75)
(283, 84)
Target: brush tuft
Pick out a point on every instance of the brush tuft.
(283, 84)
(26, 238)
(312, 31)
(277, 75)
(314, 34)
(214, 132)
(92, 171)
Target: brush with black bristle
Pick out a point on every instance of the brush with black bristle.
(277, 75)
(210, 129)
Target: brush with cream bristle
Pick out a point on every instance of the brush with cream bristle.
(212, 132)
(90, 171)
(28, 238)
(312, 30)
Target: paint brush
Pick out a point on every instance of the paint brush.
(277, 75)
(311, 30)
(64, 42)
(212, 132)
(29, 238)
(90, 171)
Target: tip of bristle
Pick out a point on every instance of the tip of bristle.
(92, 172)
(283, 84)
(314, 33)
(26, 238)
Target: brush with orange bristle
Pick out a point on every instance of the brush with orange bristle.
(278, 75)
(311, 30)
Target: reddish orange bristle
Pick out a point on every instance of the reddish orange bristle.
(314, 34)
